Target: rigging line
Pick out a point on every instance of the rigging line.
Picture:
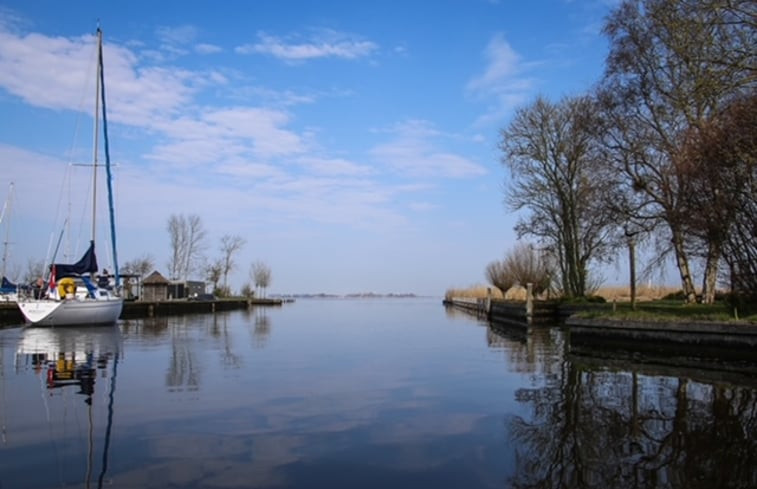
(2, 388)
(111, 396)
(85, 93)
(77, 126)
(43, 391)
(67, 176)
(90, 447)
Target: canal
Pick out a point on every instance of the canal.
(368, 393)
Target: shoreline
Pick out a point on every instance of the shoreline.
(737, 338)
(10, 314)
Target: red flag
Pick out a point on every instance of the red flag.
(52, 277)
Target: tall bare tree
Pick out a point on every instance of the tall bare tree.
(721, 161)
(260, 273)
(229, 246)
(188, 243)
(556, 175)
(672, 64)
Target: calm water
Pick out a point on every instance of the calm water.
(357, 394)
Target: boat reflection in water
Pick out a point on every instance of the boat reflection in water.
(72, 359)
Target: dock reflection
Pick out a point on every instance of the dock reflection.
(628, 422)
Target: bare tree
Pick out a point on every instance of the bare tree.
(247, 291)
(522, 265)
(528, 266)
(261, 275)
(214, 272)
(140, 267)
(498, 277)
(176, 225)
(721, 162)
(188, 242)
(229, 246)
(553, 155)
(35, 269)
(672, 64)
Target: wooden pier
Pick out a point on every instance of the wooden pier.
(11, 315)
(516, 313)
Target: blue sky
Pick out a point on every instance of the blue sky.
(353, 145)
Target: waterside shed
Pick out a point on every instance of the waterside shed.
(155, 287)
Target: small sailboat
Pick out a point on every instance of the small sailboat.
(74, 296)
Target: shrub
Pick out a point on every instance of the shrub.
(522, 265)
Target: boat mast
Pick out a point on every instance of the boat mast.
(97, 130)
(6, 215)
(107, 161)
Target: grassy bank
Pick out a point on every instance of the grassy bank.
(650, 306)
(667, 311)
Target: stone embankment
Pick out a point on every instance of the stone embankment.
(740, 338)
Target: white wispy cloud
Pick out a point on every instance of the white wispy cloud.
(247, 156)
(177, 35)
(502, 65)
(204, 48)
(322, 44)
(30, 64)
(334, 166)
(503, 83)
(414, 151)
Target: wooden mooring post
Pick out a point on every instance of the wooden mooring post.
(529, 303)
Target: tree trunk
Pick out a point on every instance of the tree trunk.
(687, 284)
(711, 274)
(632, 270)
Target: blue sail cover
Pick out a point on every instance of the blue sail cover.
(87, 264)
(7, 286)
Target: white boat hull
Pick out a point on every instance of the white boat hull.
(70, 312)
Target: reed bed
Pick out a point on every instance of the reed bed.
(609, 293)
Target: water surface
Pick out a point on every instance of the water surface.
(397, 393)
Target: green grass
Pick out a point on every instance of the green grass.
(668, 311)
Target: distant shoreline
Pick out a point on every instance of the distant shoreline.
(359, 295)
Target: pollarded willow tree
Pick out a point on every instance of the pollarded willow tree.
(522, 265)
(558, 177)
(672, 66)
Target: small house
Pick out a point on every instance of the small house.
(185, 289)
(155, 287)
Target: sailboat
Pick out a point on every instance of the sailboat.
(74, 296)
(8, 290)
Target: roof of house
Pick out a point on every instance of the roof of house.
(155, 278)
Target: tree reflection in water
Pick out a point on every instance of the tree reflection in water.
(630, 426)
